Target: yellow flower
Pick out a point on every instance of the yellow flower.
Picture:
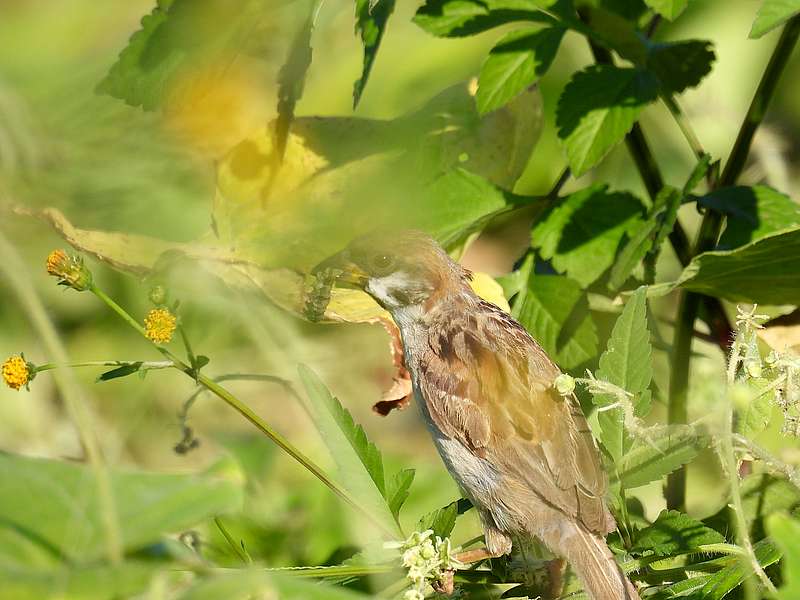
(70, 270)
(16, 372)
(159, 325)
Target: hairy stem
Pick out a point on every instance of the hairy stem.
(707, 239)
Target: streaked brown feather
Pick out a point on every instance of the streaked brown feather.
(490, 387)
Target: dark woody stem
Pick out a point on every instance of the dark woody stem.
(653, 181)
(707, 238)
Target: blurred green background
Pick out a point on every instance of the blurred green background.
(110, 166)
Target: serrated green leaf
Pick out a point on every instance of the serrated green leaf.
(725, 580)
(786, 533)
(397, 490)
(457, 204)
(674, 533)
(669, 9)
(371, 19)
(651, 459)
(765, 271)
(598, 108)
(772, 14)
(457, 18)
(122, 371)
(556, 312)
(582, 234)
(626, 363)
(176, 37)
(752, 213)
(754, 417)
(516, 62)
(56, 504)
(680, 65)
(441, 521)
(359, 461)
(292, 79)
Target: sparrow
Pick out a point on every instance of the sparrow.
(520, 451)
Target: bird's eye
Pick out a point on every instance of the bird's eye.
(382, 262)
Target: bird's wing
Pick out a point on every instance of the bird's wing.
(489, 385)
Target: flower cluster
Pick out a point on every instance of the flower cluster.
(428, 560)
(70, 270)
(17, 372)
(159, 325)
(778, 373)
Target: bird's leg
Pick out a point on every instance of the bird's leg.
(446, 585)
(473, 556)
(555, 571)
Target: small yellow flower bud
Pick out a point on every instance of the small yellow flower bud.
(70, 270)
(17, 372)
(159, 325)
(158, 295)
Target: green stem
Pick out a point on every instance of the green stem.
(148, 365)
(683, 124)
(707, 239)
(80, 413)
(677, 409)
(247, 413)
(653, 181)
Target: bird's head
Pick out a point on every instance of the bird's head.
(398, 269)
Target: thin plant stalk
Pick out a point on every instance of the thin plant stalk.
(79, 411)
(244, 410)
(707, 238)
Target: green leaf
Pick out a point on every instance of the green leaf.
(752, 213)
(457, 204)
(680, 65)
(766, 271)
(441, 521)
(674, 533)
(371, 19)
(397, 490)
(56, 505)
(725, 580)
(772, 14)
(97, 582)
(669, 9)
(598, 108)
(292, 79)
(458, 18)
(244, 584)
(556, 312)
(651, 459)
(122, 371)
(359, 462)
(786, 533)
(177, 37)
(518, 60)
(754, 417)
(626, 363)
(581, 235)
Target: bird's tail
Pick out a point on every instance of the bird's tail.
(594, 564)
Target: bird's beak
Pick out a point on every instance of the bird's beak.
(346, 270)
